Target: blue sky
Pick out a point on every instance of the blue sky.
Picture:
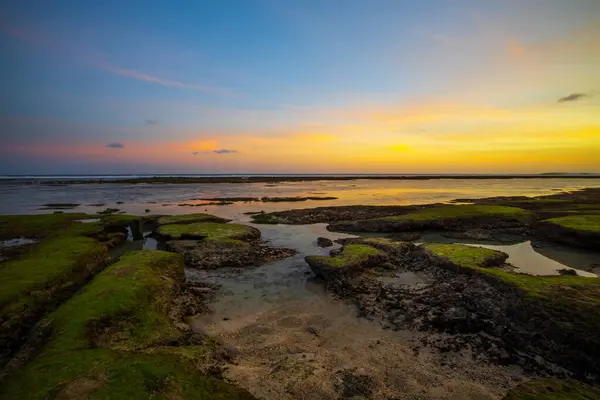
(304, 79)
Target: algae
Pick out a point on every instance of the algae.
(351, 255)
(553, 389)
(464, 212)
(115, 340)
(582, 223)
(209, 230)
(189, 218)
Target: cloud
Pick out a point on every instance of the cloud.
(573, 97)
(115, 145)
(96, 60)
(152, 122)
(225, 151)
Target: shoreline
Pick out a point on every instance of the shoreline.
(281, 178)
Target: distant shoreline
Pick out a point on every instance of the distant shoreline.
(166, 179)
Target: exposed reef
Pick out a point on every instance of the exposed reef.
(549, 325)
(116, 339)
(210, 245)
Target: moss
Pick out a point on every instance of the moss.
(584, 223)
(466, 256)
(464, 212)
(40, 226)
(553, 389)
(570, 292)
(351, 254)
(188, 219)
(209, 230)
(132, 295)
(266, 218)
(108, 341)
(107, 374)
(66, 257)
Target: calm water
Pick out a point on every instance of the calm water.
(164, 198)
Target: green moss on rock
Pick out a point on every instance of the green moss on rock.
(110, 341)
(465, 212)
(581, 223)
(553, 389)
(210, 231)
(266, 218)
(125, 306)
(189, 218)
(351, 257)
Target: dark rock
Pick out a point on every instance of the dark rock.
(567, 271)
(147, 210)
(312, 331)
(217, 254)
(109, 211)
(120, 202)
(324, 242)
(227, 352)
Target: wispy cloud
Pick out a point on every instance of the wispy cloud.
(115, 145)
(225, 151)
(142, 76)
(96, 60)
(573, 97)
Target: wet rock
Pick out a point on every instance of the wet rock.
(227, 352)
(208, 254)
(120, 202)
(109, 211)
(477, 311)
(354, 385)
(567, 271)
(311, 330)
(147, 210)
(324, 242)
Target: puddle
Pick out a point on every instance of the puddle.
(17, 242)
(528, 261)
(148, 243)
(89, 220)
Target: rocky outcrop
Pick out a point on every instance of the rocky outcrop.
(209, 254)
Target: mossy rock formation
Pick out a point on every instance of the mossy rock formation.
(189, 218)
(115, 340)
(553, 389)
(581, 230)
(209, 230)
(352, 256)
(68, 254)
(457, 217)
(538, 322)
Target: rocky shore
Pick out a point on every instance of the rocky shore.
(79, 320)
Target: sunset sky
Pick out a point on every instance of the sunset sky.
(303, 86)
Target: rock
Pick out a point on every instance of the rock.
(147, 210)
(311, 330)
(227, 352)
(109, 211)
(567, 271)
(209, 254)
(324, 242)
(120, 202)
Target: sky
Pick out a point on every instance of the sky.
(303, 86)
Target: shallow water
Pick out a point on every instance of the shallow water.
(295, 339)
(17, 198)
(17, 242)
(537, 259)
